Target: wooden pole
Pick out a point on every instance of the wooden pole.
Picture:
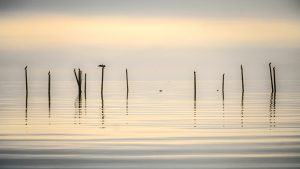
(102, 66)
(242, 75)
(80, 82)
(274, 79)
(76, 77)
(271, 77)
(195, 86)
(223, 85)
(85, 85)
(223, 82)
(49, 89)
(26, 81)
(127, 84)
(102, 82)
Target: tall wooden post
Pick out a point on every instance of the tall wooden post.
(195, 86)
(85, 85)
(242, 76)
(80, 82)
(271, 77)
(274, 79)
(26, 81)
(127, 84)
(102, 66)
(223, 85)
(49, 89)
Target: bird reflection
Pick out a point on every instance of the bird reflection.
(242, 110)
(272, 110)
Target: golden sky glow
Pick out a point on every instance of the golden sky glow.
(43, 31)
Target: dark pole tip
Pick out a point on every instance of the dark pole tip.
(101, 65)
(25, 67)
(49, 72)
(269, 63)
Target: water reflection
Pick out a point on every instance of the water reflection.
(195, 113)
(26, 107)
(49, 109)
(223, 109)
(127, 106)
(85, 106)
(49, 114)
(272, 110)
(242, 110)
(102, 113)
(78, 110)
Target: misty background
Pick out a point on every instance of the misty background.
(155, 40)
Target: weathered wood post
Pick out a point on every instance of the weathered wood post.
(195, 87)
(242, 76)
(85, 85)
(102, 66)
(271, 77)
(127, 84)
(26, 82)
(223, 86)
(49, 89)
(274, 79)
(78, 80)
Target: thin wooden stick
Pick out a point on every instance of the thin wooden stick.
(274, 79)
(80, 82)
(195, 86)
(223, 82)
(26, 81)
(76, 77)
(223, 85)
(271, 76)
(102, 66)
(127, 84)
(85, 85)
(242, 75)
(49, 89)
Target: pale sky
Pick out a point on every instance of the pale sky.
(151, 38)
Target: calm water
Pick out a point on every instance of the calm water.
(151, 129)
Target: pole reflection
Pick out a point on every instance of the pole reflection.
(242, 110)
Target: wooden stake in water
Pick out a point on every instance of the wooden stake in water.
(26, 82)
(102, 66)
(274, 79)
(242, 75)
(271, 76)
(195, 86)
(85, 85)
(49, 89)
(127, 84)
(78, 80)
(223, 85)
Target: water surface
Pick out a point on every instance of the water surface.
(151, 129)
